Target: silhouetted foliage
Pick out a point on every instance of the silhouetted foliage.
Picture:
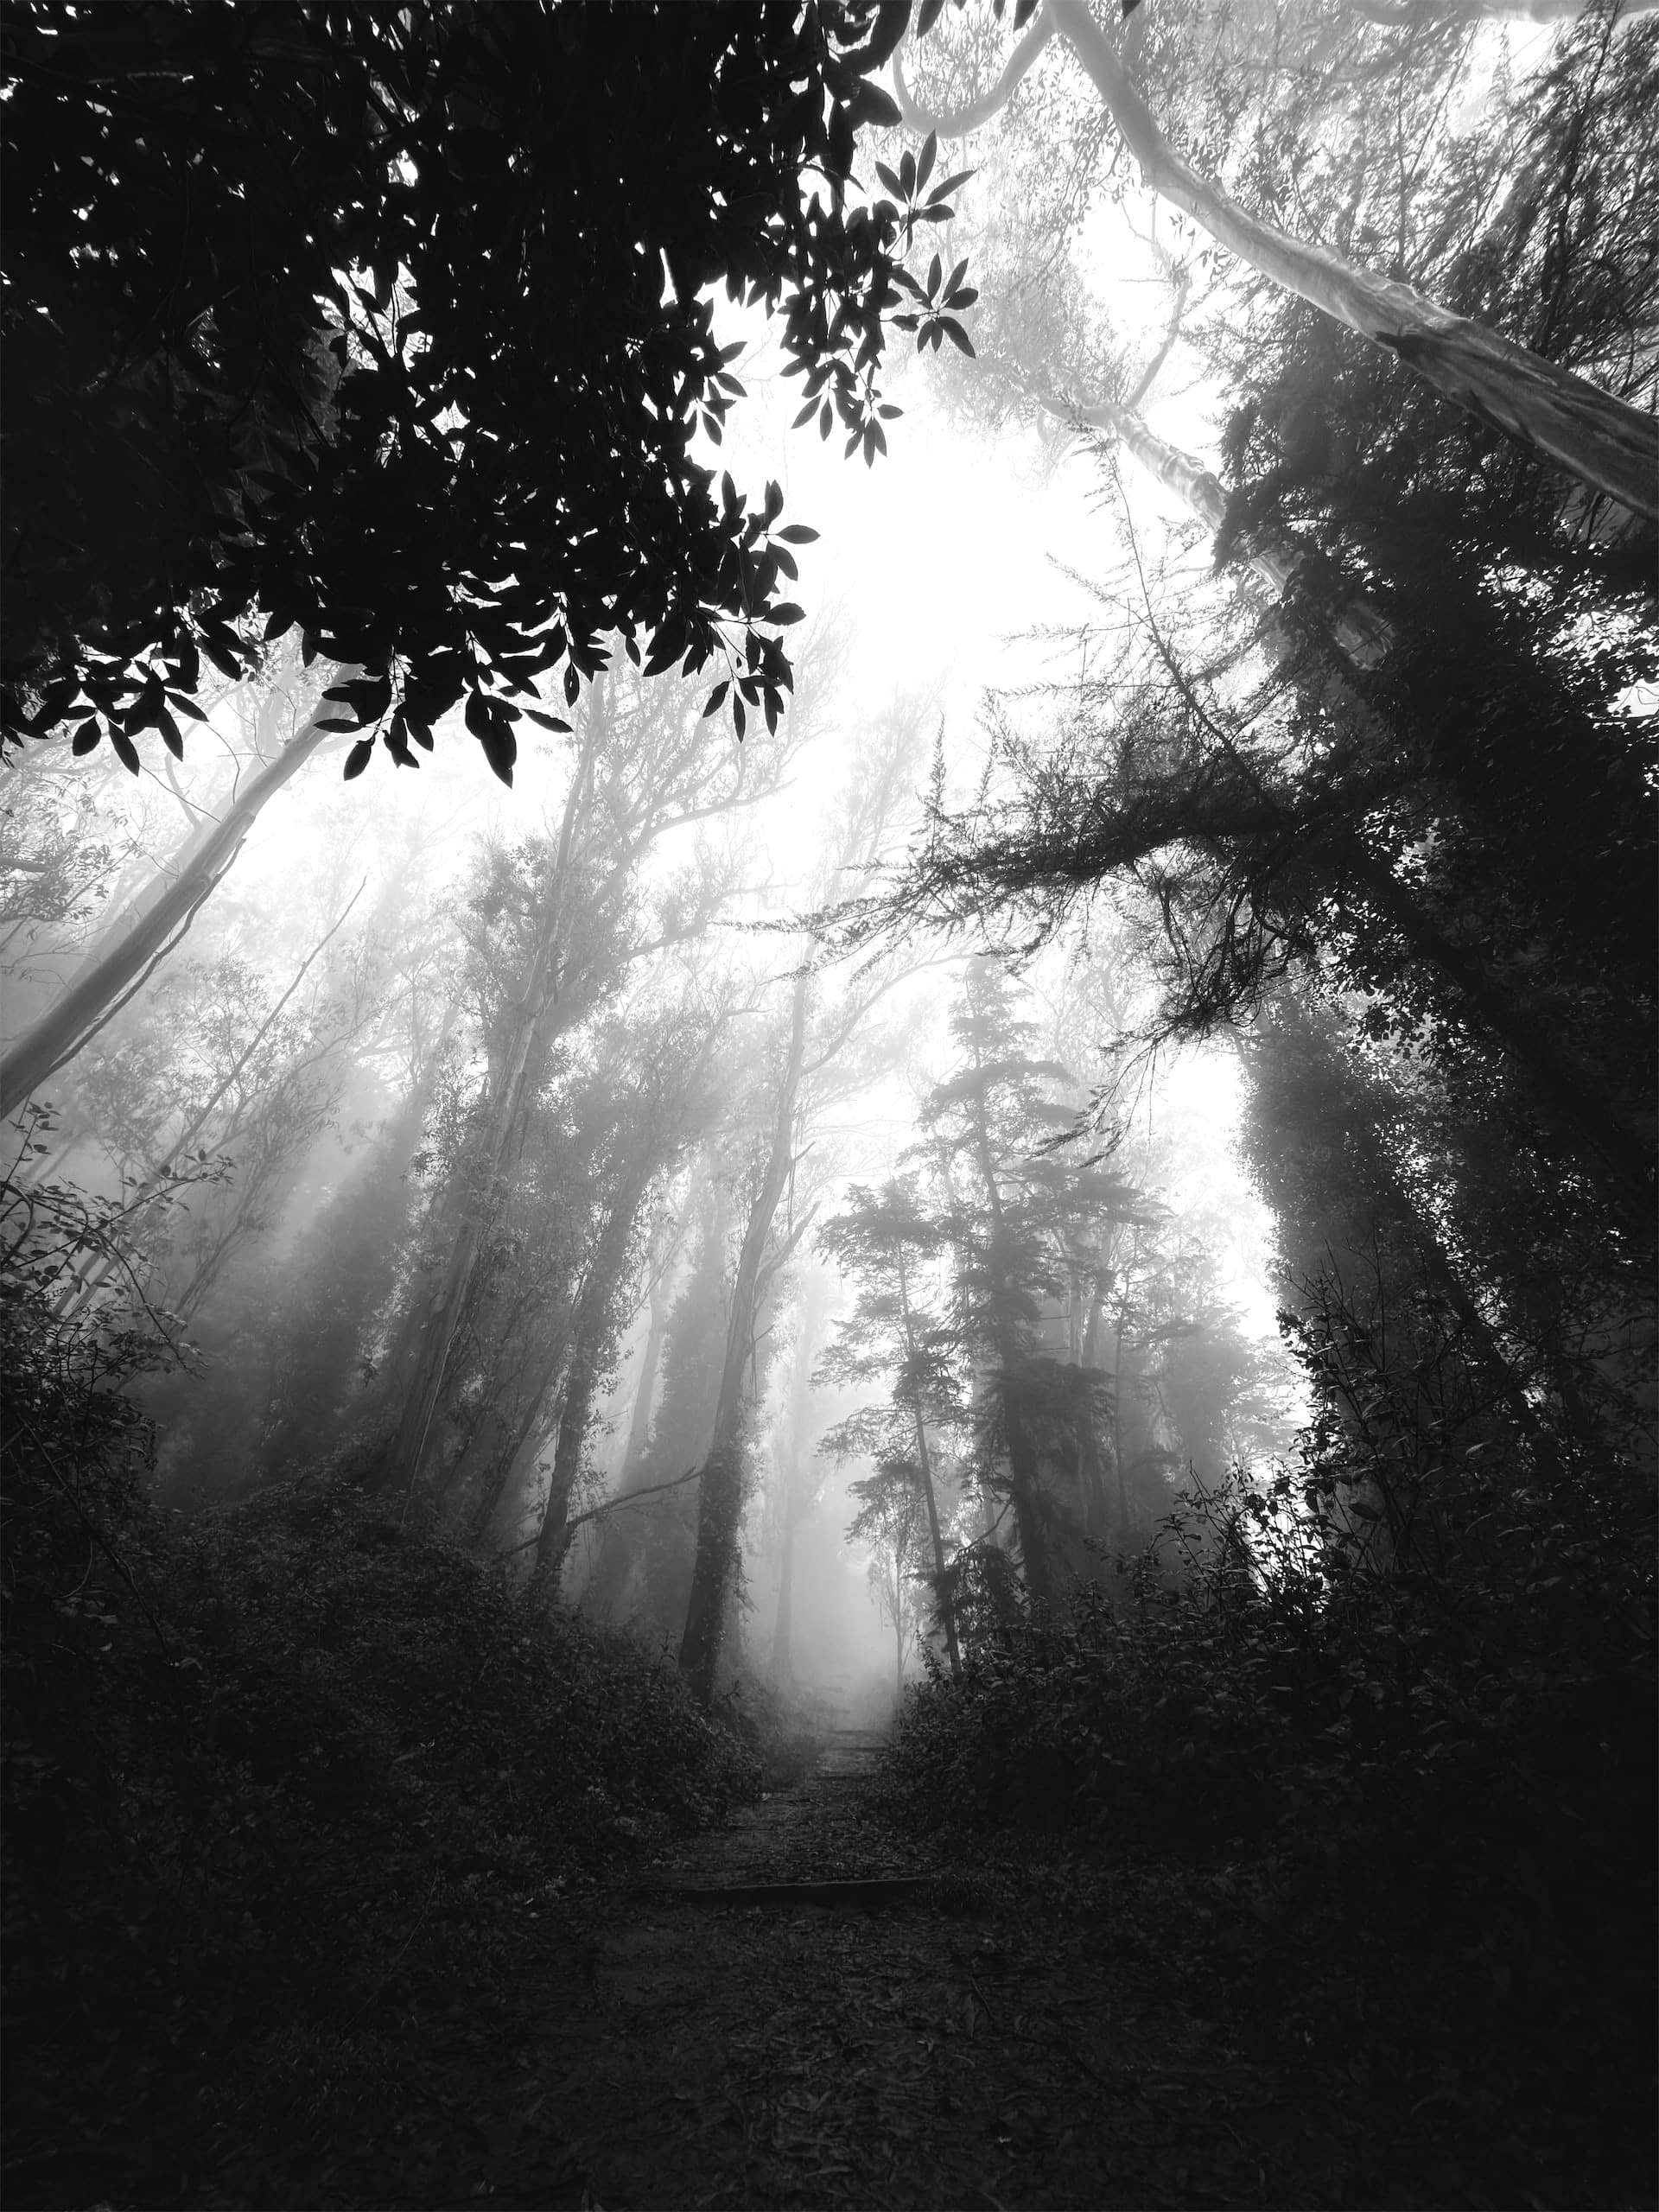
(355, 319)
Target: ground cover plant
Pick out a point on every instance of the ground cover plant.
(1406, 1821)
(272, 1781)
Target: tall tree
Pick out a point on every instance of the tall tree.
(1605, 442)
(721, 1490)
(882, 1240)
(983, 1121)
(645, 762)
(669, 1108)
(812, 1055)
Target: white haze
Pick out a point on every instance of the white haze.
(948, 570)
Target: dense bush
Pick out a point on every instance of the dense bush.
(1427, 1796)
(271, 1778)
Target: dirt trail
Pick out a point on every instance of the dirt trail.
(844, 2027)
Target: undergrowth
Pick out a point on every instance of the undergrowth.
(1408, 1817)
(287, 1792)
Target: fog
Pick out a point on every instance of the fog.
(291, 1108)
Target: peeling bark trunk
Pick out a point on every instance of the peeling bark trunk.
(1428, 14)
(1603, 440)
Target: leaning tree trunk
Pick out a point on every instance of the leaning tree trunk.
(110, 978)
(1360, 628)
(1432, 15)
(720, 1503)
(1603, 440)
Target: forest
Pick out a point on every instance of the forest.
(827, 1221)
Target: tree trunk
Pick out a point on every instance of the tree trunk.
(1360, 628)
(1429, 14)
(925, 1460)
(1571, 1097)
(105, 983)
(645, 1390)
(1605, 442)
(427, 1358)
(782, 1664)
(593, 1329)
(719, 1503)
(1022, 1456)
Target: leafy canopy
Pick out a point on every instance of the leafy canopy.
(390, 322)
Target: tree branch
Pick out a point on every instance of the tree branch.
(988, 103)
(609, 1505)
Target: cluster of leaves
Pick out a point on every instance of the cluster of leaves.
(271, 1778)
(355, 320)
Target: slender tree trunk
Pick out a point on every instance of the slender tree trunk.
(645, 1390)
(1117, 1434)
(719, 1503)
(592, 1334)
(1091, 1479)
(782, 1664)
(1360, 628)
(1022, 1456)
(925, 1460)
(118, 968)
(1605, 442)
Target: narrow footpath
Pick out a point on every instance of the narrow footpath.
(804, 2009)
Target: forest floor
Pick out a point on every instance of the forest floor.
(805, 2007)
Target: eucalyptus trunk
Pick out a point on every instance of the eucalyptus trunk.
(1603, 440)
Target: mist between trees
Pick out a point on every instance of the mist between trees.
(1113, 1237)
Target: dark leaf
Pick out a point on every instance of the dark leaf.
(871, 104)
(359, 758)
(951, 184)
